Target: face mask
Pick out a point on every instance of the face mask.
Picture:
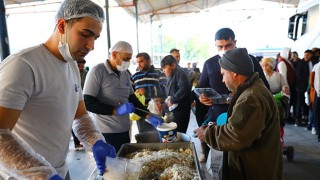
(221, 53)
(64, 50)
(124, 66)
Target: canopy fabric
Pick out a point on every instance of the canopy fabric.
(156, 10)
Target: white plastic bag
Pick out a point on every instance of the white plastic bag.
(5, 176)
(307, 98)
(214, 164)
(153, 108)
(122, 169)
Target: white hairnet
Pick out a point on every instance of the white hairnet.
(285, 53)
(121, 46)
(70, 9)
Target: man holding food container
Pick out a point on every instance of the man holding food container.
(250, 140)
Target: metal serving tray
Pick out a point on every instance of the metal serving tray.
(133, 147)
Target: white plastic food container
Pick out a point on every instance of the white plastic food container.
(168, 132)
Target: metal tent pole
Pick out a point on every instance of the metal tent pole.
(108, 24)
(137, 20)
(4, 46)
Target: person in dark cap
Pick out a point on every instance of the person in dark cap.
(178, 90)
(211, 78)
(250, 140)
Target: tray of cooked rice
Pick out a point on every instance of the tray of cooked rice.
(159, 161)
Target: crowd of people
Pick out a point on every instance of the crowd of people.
(298, 81)
(46, 99)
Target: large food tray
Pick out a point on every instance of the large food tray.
(133, 147)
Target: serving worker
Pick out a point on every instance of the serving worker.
(109, 95)
(41, 98)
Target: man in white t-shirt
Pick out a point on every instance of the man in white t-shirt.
(40, 96)
(316, 106)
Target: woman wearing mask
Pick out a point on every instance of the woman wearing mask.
(108, 94)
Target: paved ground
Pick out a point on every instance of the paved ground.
(305, 165)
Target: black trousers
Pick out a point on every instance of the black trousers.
(300, 108)
(182, 120)
(117, 139)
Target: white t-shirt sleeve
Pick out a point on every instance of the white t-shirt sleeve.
(314, 67)
(17, 83)
(283, 69)
(317, 79)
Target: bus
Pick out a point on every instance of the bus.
(304, 26)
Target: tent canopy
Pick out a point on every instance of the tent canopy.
(156, 10)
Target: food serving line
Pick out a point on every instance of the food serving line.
(166, 138)
(134, 147)
(153, 142)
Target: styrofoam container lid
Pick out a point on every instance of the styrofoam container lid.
(167, 126)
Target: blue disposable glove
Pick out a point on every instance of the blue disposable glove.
(155, 121)
(56, 177)
(125, 108)
(100, 151)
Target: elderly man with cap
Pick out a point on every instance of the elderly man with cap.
(250, 140)
(225, 39)
(109, 95)
(40, 96)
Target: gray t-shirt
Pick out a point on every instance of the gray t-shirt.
(47, 91)
(111, 89)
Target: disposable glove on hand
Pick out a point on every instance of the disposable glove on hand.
(100, 151)
(155, 121)
(56, 177)
(125, 108)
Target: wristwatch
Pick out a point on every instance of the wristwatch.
(210, 123)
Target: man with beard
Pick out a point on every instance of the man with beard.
(153, 82)
(212, 78)
(250, 140)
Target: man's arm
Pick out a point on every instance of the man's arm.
(8, 117)
(15, 158)
(184, 87)
(244, 126)
(84, 128)
(94, 105)
(204, 79)
(312, 74)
